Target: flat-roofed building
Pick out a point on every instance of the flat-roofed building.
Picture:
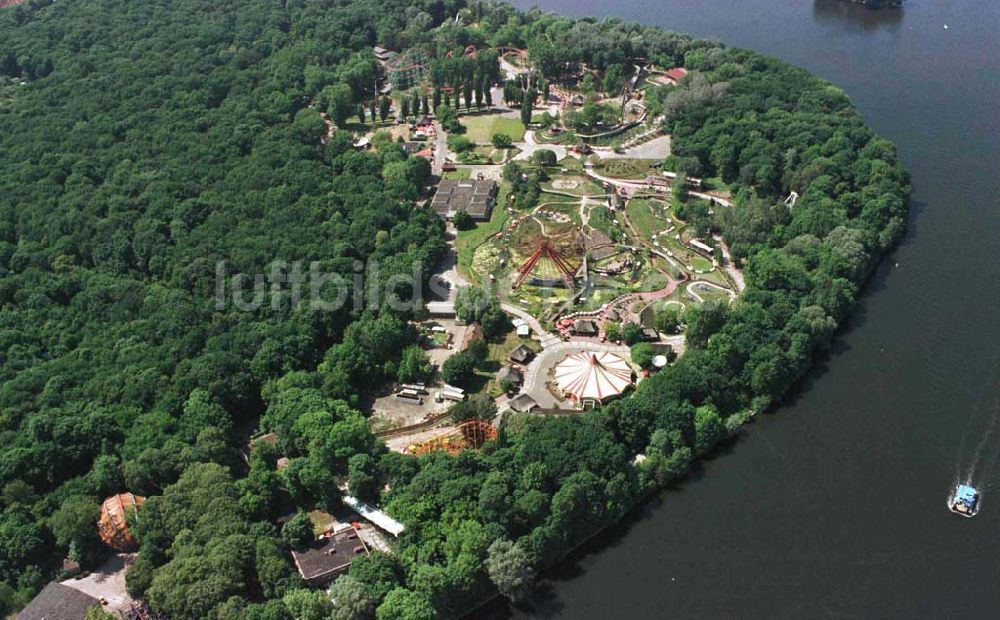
(474, 196)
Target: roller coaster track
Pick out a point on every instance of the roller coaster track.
(470, 434)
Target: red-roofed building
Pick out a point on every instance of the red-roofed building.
(674, 75)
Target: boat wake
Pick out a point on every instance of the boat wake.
(975, 468)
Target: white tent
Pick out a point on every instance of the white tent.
(593, 376)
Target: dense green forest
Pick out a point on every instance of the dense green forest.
(155, 139)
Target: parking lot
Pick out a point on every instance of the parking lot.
(390, 412)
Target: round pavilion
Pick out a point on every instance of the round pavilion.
(593, 376)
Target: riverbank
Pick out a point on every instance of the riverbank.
(787, 512)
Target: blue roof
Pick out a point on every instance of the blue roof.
(965, 493)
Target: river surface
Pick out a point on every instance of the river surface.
(833, 505)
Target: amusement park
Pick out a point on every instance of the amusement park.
(563, 201)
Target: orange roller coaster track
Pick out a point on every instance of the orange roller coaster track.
(471, 434)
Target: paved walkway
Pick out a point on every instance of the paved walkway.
(727, 264)
(446, 271)
(546, 338)
(497, 93)
(634, 184)
(440, 149)
(510, 70)
(529, 146)
(489, 171)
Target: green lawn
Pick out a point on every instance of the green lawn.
(640, 213)
(499, 351)
(600, 219)
(569, 209)
(498, 156)
(714, 183)
(468, 240)
(480, 129)
(498, 354)
(711, 293)
(459, 174)
(566, 137)
(570, 183)
(626, 168)
(571, 163)
(700, 263)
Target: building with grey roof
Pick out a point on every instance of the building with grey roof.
(521, 355)
(474, 196)
(522, 403)
(509, 373)
(60, 602)
(329, 557)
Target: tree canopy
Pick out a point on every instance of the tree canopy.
(160, 150)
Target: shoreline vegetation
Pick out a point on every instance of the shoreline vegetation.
(152, 142)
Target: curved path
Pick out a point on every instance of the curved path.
(636, 184)
(690, 290)
(727, 264)
(546, 338)
(530, 146)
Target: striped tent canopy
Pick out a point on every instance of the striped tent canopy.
(593, 376)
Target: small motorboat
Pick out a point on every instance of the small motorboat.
(965, 501)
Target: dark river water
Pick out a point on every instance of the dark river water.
(833, 505)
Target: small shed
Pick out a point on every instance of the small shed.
(523, 403)
(585, 327)
(473, 333)
(521, 355)
(509, 373)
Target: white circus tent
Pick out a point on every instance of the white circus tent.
(593, 376)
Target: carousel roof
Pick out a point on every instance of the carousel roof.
(593, 376)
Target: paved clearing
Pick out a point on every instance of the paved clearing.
(530, 146)
(657, 148)
(107, 583)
